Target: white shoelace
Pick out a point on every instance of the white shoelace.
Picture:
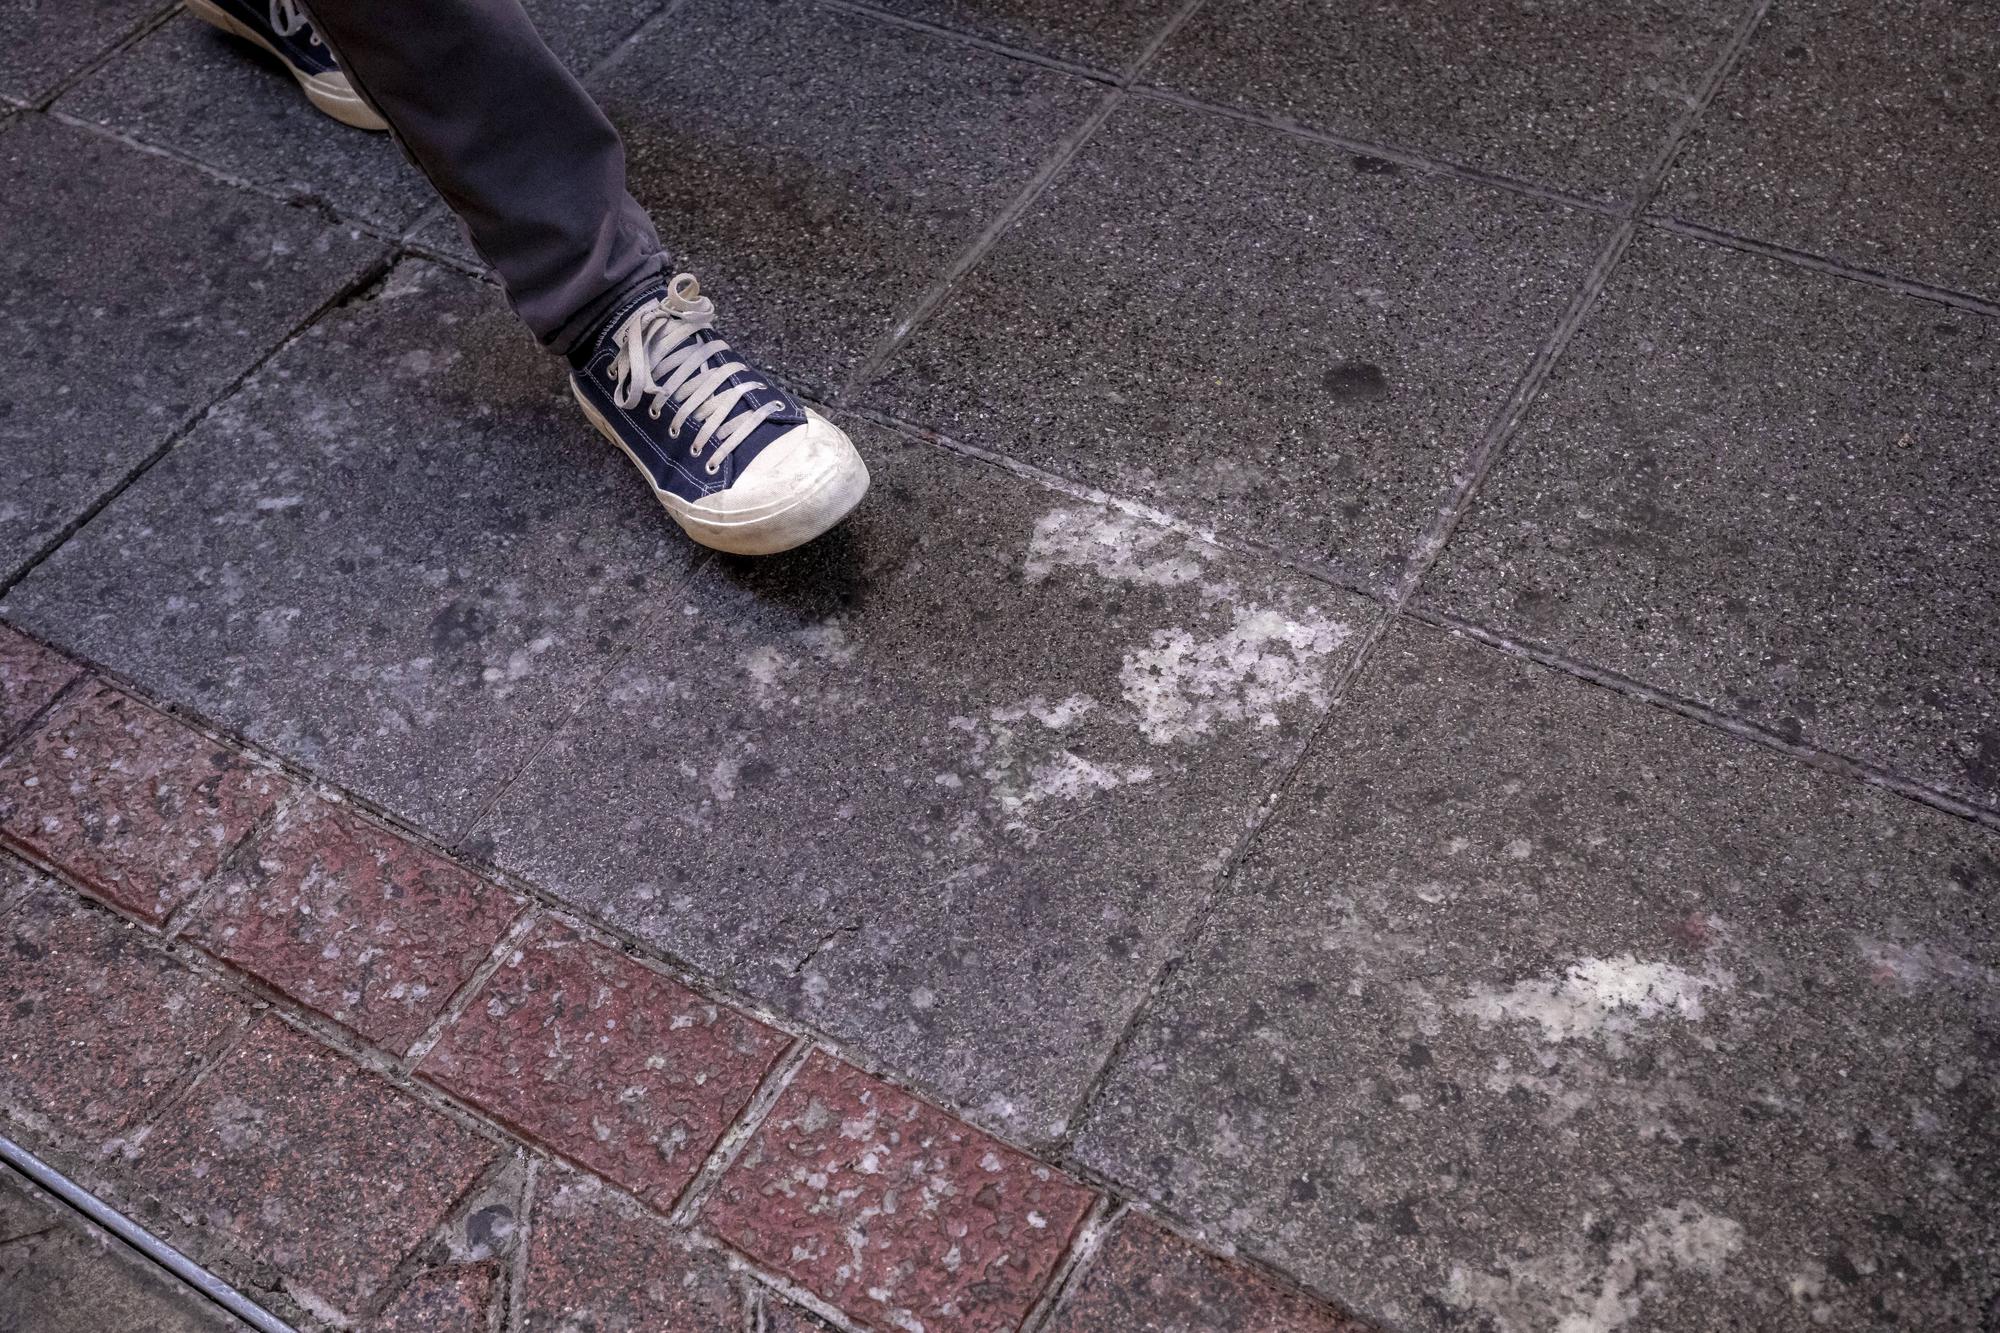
(661, 358)
(287, 18)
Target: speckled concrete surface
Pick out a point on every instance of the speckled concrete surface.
(1575, 94)
(1104, 784)
(193, 90)
(798, 190)
(1866, 130)
(205, 278)
(1317, 388)
(42, 46)
(413, 553)
(1531, 1006)
(960, 707)
(1757, 487)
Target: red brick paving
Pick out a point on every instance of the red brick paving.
(95, 1025)
(607, 1062)
(310, 1164)
(598, 1261)
(450, 1299)
(883, 1205)
(30, 676)
(893, 1211)
(354, 922)
(1148, 1280)
(134, 806)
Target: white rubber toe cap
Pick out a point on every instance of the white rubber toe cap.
(801, 484)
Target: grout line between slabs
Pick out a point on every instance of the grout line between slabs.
(1053, 166)
(132, 36)
(1196, 925)
(1078, 1257)
(1429, 545)
(1832, 761)
(175, 926)
(729, 1146)
(518, 930)
(333, 213)
(419, 1257)
(1494, 441)
(72, 687)
(891, 19)
(1385, 149)
(369, 276)
(1834, 268)
(517, 1266)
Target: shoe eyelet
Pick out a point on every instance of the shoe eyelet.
(694, 451)
(653, 412)
(712, 468)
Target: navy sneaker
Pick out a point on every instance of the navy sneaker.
(281, 27)
(742, 465)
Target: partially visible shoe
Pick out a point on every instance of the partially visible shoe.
(282, 28)
(742, 465)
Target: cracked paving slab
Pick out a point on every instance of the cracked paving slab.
(948, 781)
(1537, 1008)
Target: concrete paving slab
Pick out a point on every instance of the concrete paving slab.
(58, 1274)
(815, 205)
(947, 781)
(1575, 95)
(223, 102)
(41, 45)
(1317, 387)
(1769, 490)
(204, 279)
(1864, 130)
(1537, 1007)
(1108, 36)
(394, 557)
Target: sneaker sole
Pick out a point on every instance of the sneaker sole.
(336, 100)
(815, 510)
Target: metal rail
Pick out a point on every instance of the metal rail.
(140, 1239)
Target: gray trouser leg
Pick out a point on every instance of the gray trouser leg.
(513, 143)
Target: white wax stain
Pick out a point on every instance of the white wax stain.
(1606, 999)
(1184, 686)
(1186, 681)
(1579, 1291)
(1115, 546)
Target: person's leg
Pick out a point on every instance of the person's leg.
(537, 175)
(514, 145)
